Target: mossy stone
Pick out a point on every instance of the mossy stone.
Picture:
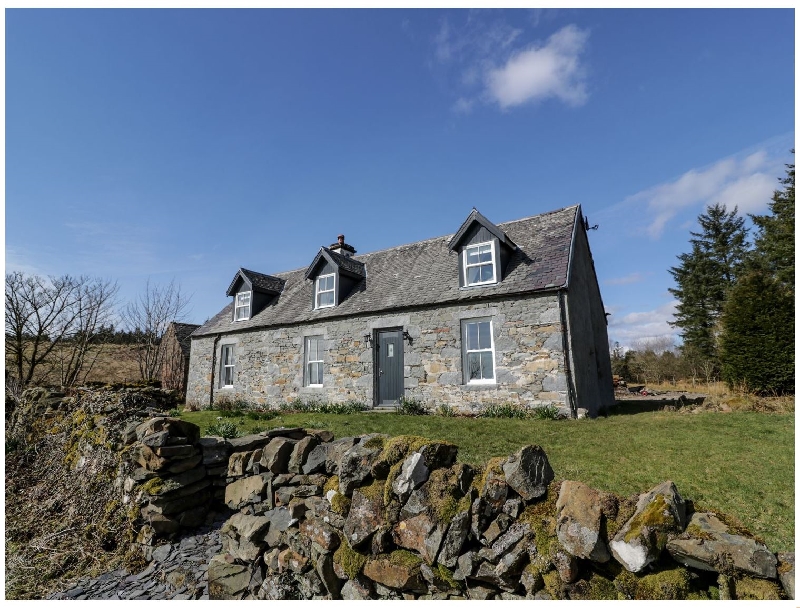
(749, 588)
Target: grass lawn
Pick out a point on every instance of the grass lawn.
(741, 463)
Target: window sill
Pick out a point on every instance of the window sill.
(479, 285)
(479, 386)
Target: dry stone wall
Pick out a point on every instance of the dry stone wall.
(374, 517)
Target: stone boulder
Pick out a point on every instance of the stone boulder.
(420, 534)
(174, 427)
(227, 580)
(528, 472)
(400, 570)
(300, 453)
(364, 518)
(659, 513)
(275, 455)
(579, 514)
(243, 536)
(786, 573)
(355, 465)
(247, 490)
(413, 473)
(708, 545)
(357, 589)
(215, 450)
(454, 540)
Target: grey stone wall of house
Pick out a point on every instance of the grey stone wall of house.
(529, 362)
(591, 361)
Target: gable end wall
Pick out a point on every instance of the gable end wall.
(588, 334)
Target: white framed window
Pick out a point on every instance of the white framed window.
(478, 351)
(479, 266)
(325, 290)
(314, 366)
(242, 308)
(228, 366)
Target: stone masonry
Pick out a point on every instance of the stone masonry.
(528, 343)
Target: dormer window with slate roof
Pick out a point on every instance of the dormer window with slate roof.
(484, 251)
(335, 274)
(251, 292)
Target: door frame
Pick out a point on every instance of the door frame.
(376, 378)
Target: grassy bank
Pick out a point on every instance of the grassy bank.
(741, 463)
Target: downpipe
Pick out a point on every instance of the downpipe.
(571, 398)
(213, 370)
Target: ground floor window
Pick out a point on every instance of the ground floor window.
(228, 365)
(478, 351)
(314, 365)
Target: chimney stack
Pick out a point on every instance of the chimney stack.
(342, 247)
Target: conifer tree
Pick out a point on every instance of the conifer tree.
(774, 243)
(757, 342)
(705, 275)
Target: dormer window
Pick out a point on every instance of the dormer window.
(252, 292)
(242, 311)
(325, 292)
(479, 264)
(484, 251)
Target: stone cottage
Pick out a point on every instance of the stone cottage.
(491, 314)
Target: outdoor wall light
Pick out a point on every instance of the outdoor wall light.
(368, 339)
(408, 337)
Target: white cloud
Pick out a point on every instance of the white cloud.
(643, 326)
(634, 277)
(539, 72)
(747, 183)
(750, 193)
(492, 62)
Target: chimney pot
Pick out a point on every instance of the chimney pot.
(341, 239)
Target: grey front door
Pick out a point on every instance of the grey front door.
(390, 366)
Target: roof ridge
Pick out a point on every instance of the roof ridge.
(435, 238)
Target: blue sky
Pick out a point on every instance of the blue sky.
(188, 143)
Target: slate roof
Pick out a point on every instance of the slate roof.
(477, 216)
(182, 333)
(422, 273)
(259, 281)
(348, 264)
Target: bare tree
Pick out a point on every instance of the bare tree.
(52, 322)
(93, 307)
(148, 317)
(39, 315)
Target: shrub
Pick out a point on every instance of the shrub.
(348, 407)
(221, 428)
(174, 412)
(545, 412)
(445, 410)
(411, 407)
(505, 410)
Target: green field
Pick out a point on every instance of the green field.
(741, 463)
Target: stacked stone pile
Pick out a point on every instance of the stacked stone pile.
(171, 482)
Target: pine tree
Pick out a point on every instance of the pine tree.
(774, 243)
(705, 275)
(757, 342)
